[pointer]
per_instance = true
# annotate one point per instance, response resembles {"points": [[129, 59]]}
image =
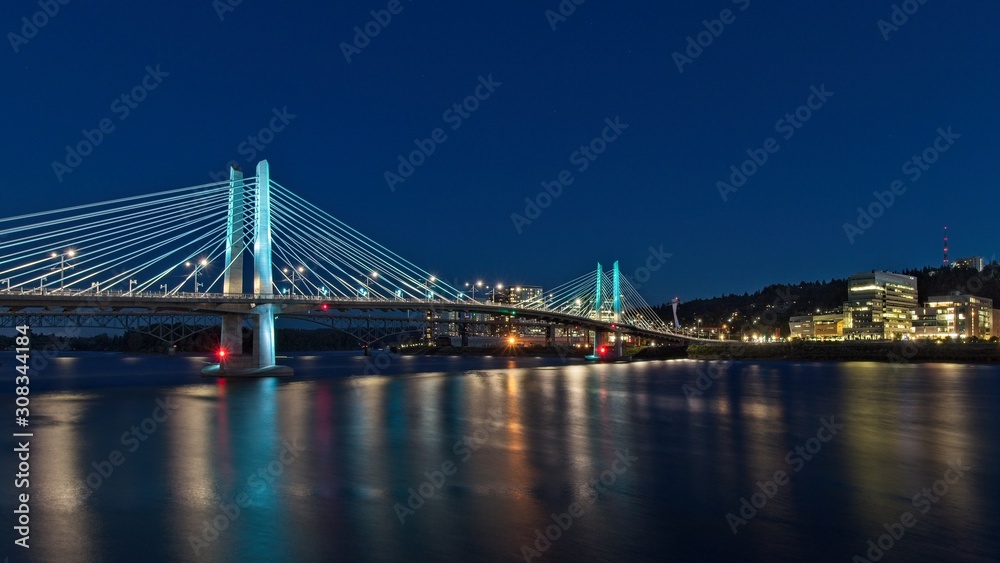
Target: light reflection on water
{"points": [[534, 438]]}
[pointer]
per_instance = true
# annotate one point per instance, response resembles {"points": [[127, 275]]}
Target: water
{"points": [[321, 462]]}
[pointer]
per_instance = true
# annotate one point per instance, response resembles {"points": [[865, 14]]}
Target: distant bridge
{"points": [[111, 265]]}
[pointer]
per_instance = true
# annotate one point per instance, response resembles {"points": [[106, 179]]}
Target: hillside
{"points": [[770, 307]]}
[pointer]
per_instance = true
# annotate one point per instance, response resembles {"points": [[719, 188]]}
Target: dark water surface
{"points": [[326, 465]]}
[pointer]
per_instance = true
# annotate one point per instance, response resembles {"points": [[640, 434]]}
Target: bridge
{"points": [[246, 251]]}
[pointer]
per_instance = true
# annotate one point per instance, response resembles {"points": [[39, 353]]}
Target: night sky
{"points": [[544, 92]]}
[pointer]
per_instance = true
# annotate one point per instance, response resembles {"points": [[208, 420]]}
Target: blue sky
{"points": [[217, 80]]}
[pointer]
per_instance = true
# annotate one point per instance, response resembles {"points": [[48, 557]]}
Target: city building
{"points": [[829, 326], [879, 305], [801, 327], [520, 294], [954, 316], [970, 262]]}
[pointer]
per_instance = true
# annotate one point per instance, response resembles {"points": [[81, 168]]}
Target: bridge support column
{"points": [[232, 324], [262, 279], [550, 336]]}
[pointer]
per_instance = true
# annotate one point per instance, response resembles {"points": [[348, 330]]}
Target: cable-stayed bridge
{"points": [[248, 250]]}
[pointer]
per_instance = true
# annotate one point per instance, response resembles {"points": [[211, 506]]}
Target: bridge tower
{"points": [[232, 323], [262, 276], [616, 293], [598, 294]]}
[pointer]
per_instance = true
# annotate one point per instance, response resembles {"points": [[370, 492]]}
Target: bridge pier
{"points": [[262, 362]]}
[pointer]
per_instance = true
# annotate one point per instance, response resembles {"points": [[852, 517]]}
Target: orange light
{"points": [[510, 340]]}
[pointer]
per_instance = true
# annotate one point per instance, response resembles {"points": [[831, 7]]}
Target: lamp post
{"points": [[41, 287], [198, 267], [493, 294], [427, 287], [473, 286], [6, 282], [131, 284], [163, 286], [371, 278], [293, 272], [62, 265]]}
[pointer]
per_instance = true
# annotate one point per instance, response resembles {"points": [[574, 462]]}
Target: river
{"points": [[137, 458]]}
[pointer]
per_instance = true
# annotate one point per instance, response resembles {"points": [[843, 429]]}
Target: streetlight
{"points": [[131, 284], [371, 278], [473, 286], [427, 287], [163, 286], [493, 296], [41, 288], [62, 265], [197, 269], [96, 286], [7, 283], [300, 270]]}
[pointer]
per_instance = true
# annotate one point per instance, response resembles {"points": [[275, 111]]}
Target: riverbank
{"points": [[894, 352], [658, 353]]}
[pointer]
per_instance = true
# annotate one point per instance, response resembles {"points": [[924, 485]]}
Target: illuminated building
{"points": [[954, 316], [970, 262], [879, 305]]}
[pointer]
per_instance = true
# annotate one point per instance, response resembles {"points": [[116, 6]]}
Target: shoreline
{"points": [[889, 352]]}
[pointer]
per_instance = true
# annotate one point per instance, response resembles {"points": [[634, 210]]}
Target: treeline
{"points": [[770, 308]]}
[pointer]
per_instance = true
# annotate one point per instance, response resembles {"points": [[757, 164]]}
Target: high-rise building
{"points": [[521, 294], [954, 316], [879, 305]]}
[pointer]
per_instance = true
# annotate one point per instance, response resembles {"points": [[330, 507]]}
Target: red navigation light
{"points": [[222, 353], [603, 351], [324, 307]]}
